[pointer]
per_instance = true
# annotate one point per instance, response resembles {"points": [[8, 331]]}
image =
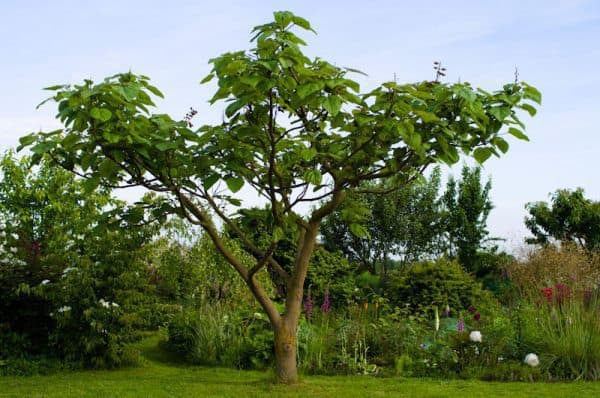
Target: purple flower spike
{"points": [[461, 325], [326, 302], [308, 307]]}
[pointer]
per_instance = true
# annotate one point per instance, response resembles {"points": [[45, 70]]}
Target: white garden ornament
{"points": [[475, 336], [532, 360]]}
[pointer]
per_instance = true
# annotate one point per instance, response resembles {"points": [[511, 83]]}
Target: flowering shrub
{"points": [[63, 267], [558, 295]]}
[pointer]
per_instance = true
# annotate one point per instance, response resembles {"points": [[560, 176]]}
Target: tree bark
{"points": [[286, 368]]}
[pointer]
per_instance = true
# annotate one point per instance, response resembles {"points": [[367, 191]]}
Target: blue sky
{"points": [[554, 44]]}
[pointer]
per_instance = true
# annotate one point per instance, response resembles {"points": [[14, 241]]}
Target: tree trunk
{"points": [[286, 369]]}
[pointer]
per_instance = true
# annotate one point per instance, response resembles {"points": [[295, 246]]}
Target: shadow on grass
{"points": [[155, 354]]}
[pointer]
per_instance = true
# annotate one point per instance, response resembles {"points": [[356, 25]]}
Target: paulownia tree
{"points": [[296, 130]]}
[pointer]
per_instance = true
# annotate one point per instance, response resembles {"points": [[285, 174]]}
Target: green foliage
{"points": [[565, 335], [417, 223], [189, 271], [337, 133], [441, 283], [328, 271], [64, 260], [296, 130], [337, 343], [404, 224], [211, 335], [569, 217], [467, 206]]}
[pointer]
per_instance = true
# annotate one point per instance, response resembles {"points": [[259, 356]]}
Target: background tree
{"points": [[296, 130], [569, 217], [467, 206], [403, 226]]}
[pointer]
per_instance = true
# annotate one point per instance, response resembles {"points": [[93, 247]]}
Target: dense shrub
{"points": [[331, 273], [64, 260], [211, 335], [435, 284], [187, 269]]}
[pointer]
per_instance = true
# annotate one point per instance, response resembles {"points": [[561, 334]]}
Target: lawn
{"points": [[161, 377]]}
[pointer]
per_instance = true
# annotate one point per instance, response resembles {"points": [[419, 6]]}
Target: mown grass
{"points": [[162, 376]]}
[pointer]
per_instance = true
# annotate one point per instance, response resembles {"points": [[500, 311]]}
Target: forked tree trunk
{"points": [[284, 326]]}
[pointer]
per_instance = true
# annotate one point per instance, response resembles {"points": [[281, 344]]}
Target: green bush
{"points": [[64, 260], [211, 336], [437, 283], [566, 337]]}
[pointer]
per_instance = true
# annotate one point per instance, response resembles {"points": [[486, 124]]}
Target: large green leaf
{"points": [[234, 183], [313, 177], [332, 104], [43, 147], [359, 230], [515, 132], [482, 154], [101, 114]]}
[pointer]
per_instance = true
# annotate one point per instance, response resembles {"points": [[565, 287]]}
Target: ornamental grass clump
{"points": [[560, 309], [567, 337]]}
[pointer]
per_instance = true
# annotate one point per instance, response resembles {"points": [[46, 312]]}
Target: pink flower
{"points": [[326, 302], [308, 307]]}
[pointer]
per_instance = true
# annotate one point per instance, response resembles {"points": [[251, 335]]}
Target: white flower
{"points": [[103, 303], [475, 336], [258, 315], [114, 304], [80, 237], [14, 250], [532, 360], [64, 308], [45, 282], [14, 236]]}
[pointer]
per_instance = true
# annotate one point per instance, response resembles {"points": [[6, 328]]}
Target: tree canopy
{"points": [[296, 129], [569, 217]]}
